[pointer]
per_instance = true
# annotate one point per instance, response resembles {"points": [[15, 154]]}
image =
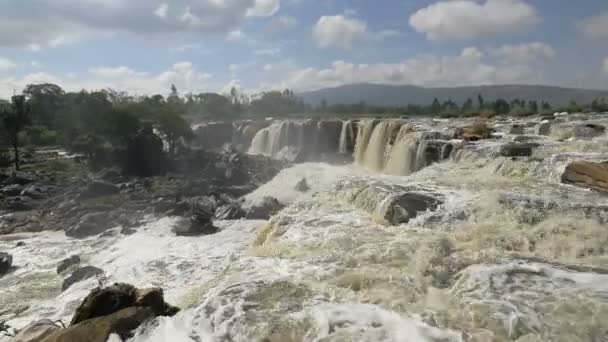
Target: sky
{"points": [[144, 46]]}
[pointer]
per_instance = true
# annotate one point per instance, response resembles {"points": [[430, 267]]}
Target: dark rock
{"points": [[127, 231], [89, 225], [543, 128], [407, 206], [548, 117], [154, 298], [105, 301], [230, 211], [588, 131], [180, 208], [517, 150], [144, 155], [20, 244], [79, 275], [587, 174], [99, 189], [110, 175], [21, 178], [194, 227], [6, 261], [12, 190], [517, 129], [37, 331], [263, 211], [20, 203], [68, 263], [302, 186]]}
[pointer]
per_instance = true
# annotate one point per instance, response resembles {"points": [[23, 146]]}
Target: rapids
{"points": [[511, 254]]}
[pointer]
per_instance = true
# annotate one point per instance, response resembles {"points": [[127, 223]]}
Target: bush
{"points": [[41, 136]]}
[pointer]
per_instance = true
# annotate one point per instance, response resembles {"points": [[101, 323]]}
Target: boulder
{"points": [[302, 186], [587, 174], [105, 301], [79, 275], [89, 225], [6, 261], [264, 210], [517, 129], [194, 227], [544, 128], [230, 211], [34, 192], [98, 189], [68, 263], [588, 131], [12, 190], [402, 208], [37, 331], [516, 150]]}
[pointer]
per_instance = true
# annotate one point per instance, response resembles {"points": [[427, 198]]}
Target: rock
{"points": [[154, 298], [587, 174], [194, 227], [79, 275], [21, 178], [230, 211], [517, 129], [401, 209], [99, 189], [68, 263], [588, 131], [517, 150], [479, 130], [110, 175], [105, 301], [20, 203], [12, 190], [20, 244], [37, 331], [263, 211], [6, 261], [89, 225], [302, 186], [99, 329], [544, 128]]}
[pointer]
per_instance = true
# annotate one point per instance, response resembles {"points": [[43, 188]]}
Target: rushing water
{"points": [[510, 255]]}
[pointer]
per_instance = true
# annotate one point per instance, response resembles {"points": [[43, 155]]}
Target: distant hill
{"points": [[402, 95]]}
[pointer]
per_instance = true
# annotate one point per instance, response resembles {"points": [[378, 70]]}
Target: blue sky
{"points": [[142, 46]]}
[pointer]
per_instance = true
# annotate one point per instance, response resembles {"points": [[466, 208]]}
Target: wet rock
{"points": [[544, 128], [21, 178], [79, 275], [154, 298], [477, 131], [517, 129], [105, 301], [12, 190], [517, 150], [264, 210], [111, 175], [37, 331], [194, 227], [588, 131], [34, 192], [230, 211], [6, 261], [587, 174], [401, 209], [99, 189], [89, 225], [20, 244], [68, 263], [20, 203], [302, 186]]}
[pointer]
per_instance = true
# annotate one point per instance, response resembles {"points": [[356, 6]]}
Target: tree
{"points": [[480, 101], [467, 105], [174, 128], [15, 119], [45, 100], [501, 107], [435, 107], [533, 106]]}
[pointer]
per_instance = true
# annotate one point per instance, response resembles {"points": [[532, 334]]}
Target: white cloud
{"points": [[235, 35], [468, 19], [526, 52], [339, 31], [264, 8], [6, 64], [184, 75], [605, 68], [39, 24], [595, 27], [267, 67], [162, 11], [467, 68]]}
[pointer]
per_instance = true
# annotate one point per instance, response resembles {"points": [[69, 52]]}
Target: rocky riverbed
{"points": [[439, 230]]}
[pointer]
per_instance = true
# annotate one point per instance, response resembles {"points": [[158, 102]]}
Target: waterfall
{"points": [[347, 137], [364, 131], [373, 157]]}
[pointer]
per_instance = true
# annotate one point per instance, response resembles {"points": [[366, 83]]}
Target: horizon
{"points": [[142, 47]]}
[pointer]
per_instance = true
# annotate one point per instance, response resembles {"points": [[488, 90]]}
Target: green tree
{"points": [[15, 119], [45, 100], [174, 129], [501, 107], [480, 101]]}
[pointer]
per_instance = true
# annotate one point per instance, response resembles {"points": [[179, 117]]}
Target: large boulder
{"points": [[105, 301], [201, 220], [37, 331], [264, 210], [302, 186], [6, 261], [587, 174], [89, 225], [68, 263], [516, 150], [98, 189], [402, 208], [79, 275]]}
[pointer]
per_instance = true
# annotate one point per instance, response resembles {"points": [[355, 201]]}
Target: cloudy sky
{"points": [[143, 46]]}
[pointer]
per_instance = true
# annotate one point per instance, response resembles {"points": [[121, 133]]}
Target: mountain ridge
{"points": [[401, 95]]}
